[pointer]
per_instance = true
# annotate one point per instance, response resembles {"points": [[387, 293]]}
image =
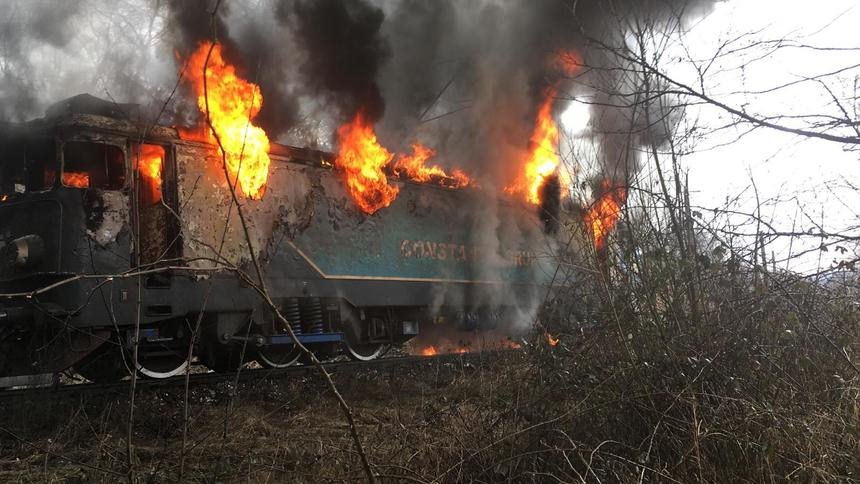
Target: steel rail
{"points": [[247, 375]]}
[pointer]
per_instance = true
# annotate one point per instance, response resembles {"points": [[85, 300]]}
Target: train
{"points": [[105, 271]]}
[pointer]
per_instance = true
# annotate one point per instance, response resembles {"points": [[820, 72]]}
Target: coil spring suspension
{"points": [[293, 314], [312, 315]]}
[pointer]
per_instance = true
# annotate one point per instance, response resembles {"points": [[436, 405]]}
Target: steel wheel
{"points": [[365, 352], [278, 356], [357, 350], [162, 365]]}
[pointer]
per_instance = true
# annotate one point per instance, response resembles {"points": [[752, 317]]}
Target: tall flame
{"points": [[543, 160], [604, 213], [233, 103], [362, 160], [149, 166], [415, 168]]}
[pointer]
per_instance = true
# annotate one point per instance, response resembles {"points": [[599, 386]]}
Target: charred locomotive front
{"points": [[113, 233]]}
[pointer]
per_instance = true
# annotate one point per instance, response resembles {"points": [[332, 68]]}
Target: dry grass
{"points": [[582, 411]]}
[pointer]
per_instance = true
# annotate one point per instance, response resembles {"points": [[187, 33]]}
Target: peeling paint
{"points": [[107, 215], [206, 206]]}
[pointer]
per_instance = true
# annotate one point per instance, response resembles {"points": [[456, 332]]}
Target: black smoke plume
{"points": [[192, 24], [343, 52], [467, 76], [271, 63], [419, 66]]}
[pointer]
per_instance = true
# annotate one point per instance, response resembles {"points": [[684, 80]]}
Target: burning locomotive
{"points": [[117, 235]]}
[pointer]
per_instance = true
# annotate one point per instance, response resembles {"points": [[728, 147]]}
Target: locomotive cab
{"points": [[65, 222]]}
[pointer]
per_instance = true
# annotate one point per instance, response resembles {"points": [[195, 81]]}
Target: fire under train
{"points": [[101, 252]]}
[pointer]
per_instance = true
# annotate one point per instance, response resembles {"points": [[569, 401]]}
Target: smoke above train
{"points": [[457, 92]]}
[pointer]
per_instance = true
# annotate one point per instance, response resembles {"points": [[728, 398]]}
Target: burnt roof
{"points": [[89, 104]]}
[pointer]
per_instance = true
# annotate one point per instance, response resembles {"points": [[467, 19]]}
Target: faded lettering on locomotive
{"points": [[451, 252]]}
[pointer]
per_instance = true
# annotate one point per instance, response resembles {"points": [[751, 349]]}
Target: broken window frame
{"points": [[169, 246], [142, 184], [118, 144]]}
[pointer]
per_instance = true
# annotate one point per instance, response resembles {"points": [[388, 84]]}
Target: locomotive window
{"points": [[150, 162], [93, 165], [41, 156], [12, 169], [27, 166]]}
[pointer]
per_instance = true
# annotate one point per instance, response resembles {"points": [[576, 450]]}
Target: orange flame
{"points": [[446, 346], [76, 179], [603, 215], [549, 339], [415, 168], [149, 166], [429, 351], [362, 160], [365, 162], [433, 351], [543, 159], [233, 103]]}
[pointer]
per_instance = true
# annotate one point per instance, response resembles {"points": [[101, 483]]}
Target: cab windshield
{"points": [[93, 165]]}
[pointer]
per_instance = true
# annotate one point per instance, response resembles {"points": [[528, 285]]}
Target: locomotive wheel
{"points": [[364, 352], [279, 356], [104, 365], [161, 365], [355, 346]]}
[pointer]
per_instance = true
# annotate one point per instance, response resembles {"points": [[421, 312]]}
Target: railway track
{"points": [[245, 375]]}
